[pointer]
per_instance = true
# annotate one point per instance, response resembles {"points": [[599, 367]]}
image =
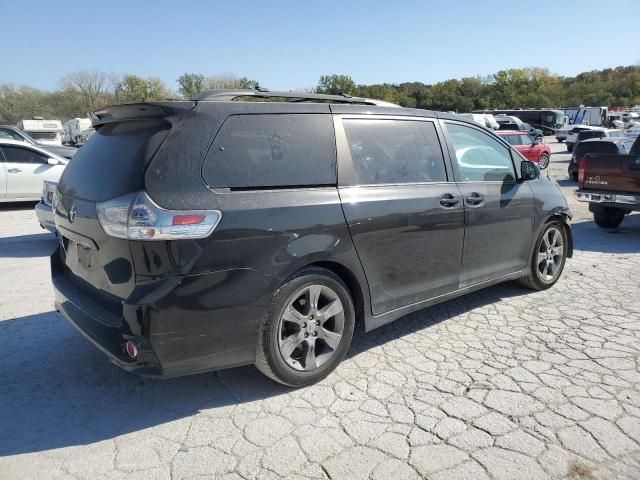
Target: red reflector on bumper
{"points": [[187, 219], [131, 349]]}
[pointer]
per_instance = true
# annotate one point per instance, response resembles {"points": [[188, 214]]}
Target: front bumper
{"points": [[44, 213], [623, 200]]}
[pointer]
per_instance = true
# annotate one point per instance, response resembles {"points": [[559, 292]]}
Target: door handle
{"points": [[448, 201], [475, 199], [14, 170]]}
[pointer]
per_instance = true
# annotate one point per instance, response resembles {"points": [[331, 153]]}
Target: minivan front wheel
{"points": [[307, 328], [548, 258]]}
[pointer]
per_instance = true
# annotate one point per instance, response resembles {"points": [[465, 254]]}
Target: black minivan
{"points": [[256, 227]]}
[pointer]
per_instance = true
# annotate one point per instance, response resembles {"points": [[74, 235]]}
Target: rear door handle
{"points": [[14, 170], [448, 201], [475, 199]]}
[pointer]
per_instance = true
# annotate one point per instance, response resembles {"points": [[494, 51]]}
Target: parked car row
{"points": [[584, 132]]}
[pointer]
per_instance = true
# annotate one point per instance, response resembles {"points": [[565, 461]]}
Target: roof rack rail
{"points": [[225, 95]]}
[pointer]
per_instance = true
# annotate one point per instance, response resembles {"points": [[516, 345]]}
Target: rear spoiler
{"points": [[136, 111]]}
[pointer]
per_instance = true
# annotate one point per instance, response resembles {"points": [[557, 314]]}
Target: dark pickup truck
{"points": [[611, 185]]}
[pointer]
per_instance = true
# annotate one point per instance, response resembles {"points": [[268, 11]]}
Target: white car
{"points": [[24, 168], [574, 130]]}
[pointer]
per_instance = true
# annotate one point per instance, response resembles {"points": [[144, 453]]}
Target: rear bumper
{"points": [[105, 330], [621, 200], [180, 325], [44, 213]]}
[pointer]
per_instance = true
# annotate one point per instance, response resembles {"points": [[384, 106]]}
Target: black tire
{"points": [[608, 217], [270, 360], [536, 280], [543, 161]]}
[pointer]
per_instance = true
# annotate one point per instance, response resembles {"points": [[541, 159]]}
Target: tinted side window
{"points": [[278, 150], [394, 151], [479, 156], [22, 155]]}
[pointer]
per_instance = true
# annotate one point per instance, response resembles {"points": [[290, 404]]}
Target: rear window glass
{"points": [[508, 126], [394, 151], [590, 134], [272, 150], [112, 162], [596, 147]]}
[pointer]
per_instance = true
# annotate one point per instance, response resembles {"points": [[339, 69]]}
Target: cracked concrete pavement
{"points": [[500, 384]]}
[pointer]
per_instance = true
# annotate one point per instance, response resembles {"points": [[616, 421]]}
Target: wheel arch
{"points": [[353, 285]]}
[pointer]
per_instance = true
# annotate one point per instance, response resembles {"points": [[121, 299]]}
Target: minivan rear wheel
{"points": [[549, 256], [307, 328]]}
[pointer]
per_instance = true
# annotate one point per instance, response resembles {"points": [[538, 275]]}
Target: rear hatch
{"points": [[111, 164], [618, 173]]}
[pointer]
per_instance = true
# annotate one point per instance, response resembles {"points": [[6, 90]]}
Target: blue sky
{"points": [[289, 44]]}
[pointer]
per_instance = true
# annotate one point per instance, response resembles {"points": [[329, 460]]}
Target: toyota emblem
{"points": [[72, 213]]}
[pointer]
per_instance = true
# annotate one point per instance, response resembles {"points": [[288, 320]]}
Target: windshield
{"points": [[559, 120], [44, 135]]}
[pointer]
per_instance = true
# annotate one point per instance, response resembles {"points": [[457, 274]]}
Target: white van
{"points": [[73, 128], [45, 132], [485, 119]]}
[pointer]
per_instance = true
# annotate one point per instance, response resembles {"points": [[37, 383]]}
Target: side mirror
{"points": [[529, 170], [53, 161]]}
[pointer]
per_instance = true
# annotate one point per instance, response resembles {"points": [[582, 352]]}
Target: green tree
{"points": [[191, 84], [131, 89], [336, 85], [134, 89]]}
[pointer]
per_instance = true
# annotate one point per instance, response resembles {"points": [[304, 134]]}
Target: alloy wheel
{"points": [[311, 327], [550, 255], [543, 162]]}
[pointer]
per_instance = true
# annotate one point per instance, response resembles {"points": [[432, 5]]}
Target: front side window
{"points": [[480, 158], [512, 139], [526, 139], [22, 155], [272, 150], [394, 151]]}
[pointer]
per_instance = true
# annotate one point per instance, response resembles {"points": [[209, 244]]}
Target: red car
{"points": [[527, 146]]}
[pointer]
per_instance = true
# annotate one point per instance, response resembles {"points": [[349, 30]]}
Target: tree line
{"points": [[83, 91]]}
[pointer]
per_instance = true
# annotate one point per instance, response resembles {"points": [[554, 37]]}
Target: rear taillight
{"points": [[582, 168], [137, 217]]}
